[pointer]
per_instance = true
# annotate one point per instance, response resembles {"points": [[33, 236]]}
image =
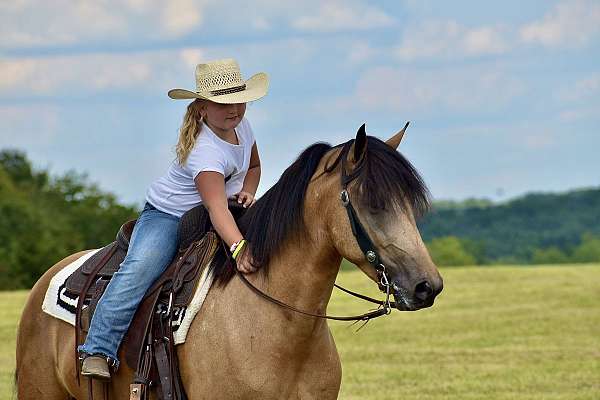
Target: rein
{"points": [[363, 317], [366, 245]]}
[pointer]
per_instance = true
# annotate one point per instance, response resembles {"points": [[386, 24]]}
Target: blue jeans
{"points": [[152, 247]]}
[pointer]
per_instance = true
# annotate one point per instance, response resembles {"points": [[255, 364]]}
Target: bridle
{"points": [[364, 242]]}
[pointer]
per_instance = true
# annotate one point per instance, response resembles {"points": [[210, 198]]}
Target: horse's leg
{"points": [[321, 375]]}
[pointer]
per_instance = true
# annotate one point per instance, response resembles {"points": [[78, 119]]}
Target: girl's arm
{"points": [[211, 186], [253, 175]]}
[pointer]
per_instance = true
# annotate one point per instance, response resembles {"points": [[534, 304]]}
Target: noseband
{"points": [[364, 242]]}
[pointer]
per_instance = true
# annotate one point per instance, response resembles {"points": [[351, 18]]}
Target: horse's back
{"points": [[32, 315], [33, 306]]}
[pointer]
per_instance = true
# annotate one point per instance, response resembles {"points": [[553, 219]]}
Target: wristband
{"points": [[238, 248]]}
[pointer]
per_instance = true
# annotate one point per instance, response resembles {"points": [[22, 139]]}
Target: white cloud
{"points": [[571, 23], [192, 57], [342, 15], [361, 51], [260, 23], [31, 23], [467, 89], [14, 72], [154, 71], [486, 40], [97, 72], [582, 113], [138, 5], [180, 17], [450, 39], [582, 89], [540, 141]]}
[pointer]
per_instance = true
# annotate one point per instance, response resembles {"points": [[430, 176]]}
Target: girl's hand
{"points": [[244, 198], [245, 261]]}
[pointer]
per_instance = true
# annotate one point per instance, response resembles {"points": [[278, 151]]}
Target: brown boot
{"points": [[95, 367]]}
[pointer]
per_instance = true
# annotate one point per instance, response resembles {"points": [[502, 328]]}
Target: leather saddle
{"points": [[198, 248]]}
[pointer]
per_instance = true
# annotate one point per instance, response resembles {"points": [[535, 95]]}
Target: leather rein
{"points": [[366, 245]]}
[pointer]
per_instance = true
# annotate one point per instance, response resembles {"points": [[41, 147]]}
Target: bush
{"points": [[550, 255], [588, 250], [449, 251]]}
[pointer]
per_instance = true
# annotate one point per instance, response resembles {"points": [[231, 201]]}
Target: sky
{"points": [[503, 97]]}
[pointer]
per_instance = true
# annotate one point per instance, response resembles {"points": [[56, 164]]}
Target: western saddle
{"points": [[148, 344]]}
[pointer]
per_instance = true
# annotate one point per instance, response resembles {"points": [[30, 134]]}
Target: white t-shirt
{"points": [[175, 193]]}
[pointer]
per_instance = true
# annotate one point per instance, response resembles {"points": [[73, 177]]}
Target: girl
{"points": [[217, 158]]}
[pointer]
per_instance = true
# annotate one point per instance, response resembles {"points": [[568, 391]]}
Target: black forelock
{"points": [[387, 177]]}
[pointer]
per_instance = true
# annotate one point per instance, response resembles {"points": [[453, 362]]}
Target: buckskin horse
{"points": [[357, 200]]}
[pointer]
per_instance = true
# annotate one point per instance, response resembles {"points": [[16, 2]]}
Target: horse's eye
{"points": [[376, 212]]}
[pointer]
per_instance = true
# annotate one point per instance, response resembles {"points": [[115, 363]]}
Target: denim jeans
{"points": [[152, 247]]}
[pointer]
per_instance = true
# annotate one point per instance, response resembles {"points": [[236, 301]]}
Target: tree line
{"points": [[44, 218], [532, 229]]}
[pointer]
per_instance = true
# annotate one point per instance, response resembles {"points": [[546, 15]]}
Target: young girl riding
{"points": [[217, 159]]}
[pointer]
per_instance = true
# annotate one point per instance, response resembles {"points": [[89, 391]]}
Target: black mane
{"points": [[277, 216]]}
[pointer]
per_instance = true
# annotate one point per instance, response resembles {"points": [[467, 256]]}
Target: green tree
{"points": [[44, 219], [450, 250], [588, 250], [550, 255]]}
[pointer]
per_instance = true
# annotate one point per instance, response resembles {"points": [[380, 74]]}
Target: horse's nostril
{"points": [[423, 291]]}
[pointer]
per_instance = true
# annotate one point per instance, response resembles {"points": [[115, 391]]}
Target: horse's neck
{"points": [[302, 275]]}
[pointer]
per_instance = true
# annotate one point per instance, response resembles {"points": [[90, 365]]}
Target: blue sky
{"points": [[503, 97]]}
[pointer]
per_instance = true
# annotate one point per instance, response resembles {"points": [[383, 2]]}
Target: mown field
{"points": [[494, 333]]}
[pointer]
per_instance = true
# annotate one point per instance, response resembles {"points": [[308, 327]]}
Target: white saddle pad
{"points": [[62, 305]]}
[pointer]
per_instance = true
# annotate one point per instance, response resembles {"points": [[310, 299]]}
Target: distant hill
{"points": [[513, 231]]}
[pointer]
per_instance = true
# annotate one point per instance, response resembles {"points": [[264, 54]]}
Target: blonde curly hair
{"points": [[189, 131]]}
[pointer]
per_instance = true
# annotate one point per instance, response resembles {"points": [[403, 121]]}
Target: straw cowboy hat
{"points": [[221, 81]]}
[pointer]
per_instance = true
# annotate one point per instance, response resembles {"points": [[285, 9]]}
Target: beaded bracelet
{"points": [[234, 245]]}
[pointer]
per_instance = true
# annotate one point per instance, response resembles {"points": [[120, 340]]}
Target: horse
{"points": [[241, 346]]}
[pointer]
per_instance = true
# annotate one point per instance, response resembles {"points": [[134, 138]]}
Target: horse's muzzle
{"points": [[421, 296]]}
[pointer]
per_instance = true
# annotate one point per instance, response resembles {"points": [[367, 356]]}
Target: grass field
{"points": [[494, 333]]}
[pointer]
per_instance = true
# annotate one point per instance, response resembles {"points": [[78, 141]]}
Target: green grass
{"points": [[494, 333], [11, 304]]}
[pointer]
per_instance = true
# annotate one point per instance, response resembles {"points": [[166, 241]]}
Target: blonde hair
{"points": [[189, 131]]}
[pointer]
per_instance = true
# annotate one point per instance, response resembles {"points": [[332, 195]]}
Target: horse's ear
{"points": [[394, 141], [359, 147]]}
